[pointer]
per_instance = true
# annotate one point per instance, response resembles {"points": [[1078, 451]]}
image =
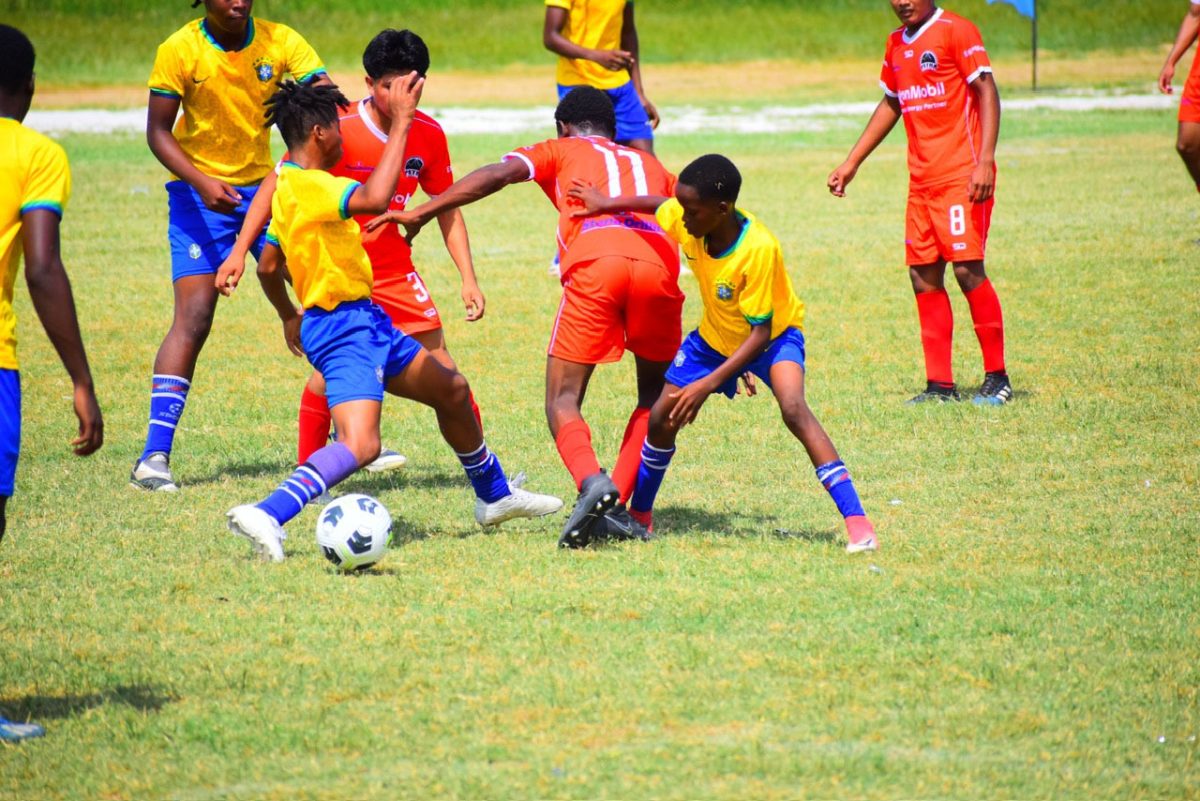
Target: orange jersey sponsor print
{"points": [[930, 73]]}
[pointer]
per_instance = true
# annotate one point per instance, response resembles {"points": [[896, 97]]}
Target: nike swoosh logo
{"points": [[199, 81]]}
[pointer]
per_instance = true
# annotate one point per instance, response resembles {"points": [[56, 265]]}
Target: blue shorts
{"points": [[632, 122], [356, 348], [201, 239], [10, 428], [696, 360]]}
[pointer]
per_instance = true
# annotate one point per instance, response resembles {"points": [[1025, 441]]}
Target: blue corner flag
{"points": [[1026, 8]]}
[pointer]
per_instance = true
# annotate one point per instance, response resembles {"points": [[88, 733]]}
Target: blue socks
{"points": [[650, 476], [324, 469], [836, 479], [486, 474], [168, 394]]}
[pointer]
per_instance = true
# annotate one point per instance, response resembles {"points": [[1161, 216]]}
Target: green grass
{"points": [[96, 42], [1028, 631]]}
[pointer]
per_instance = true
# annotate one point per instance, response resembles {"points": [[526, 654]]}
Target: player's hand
{"points": [[291, 332], [688, 401], [591, 198], [750, 385], [404, 94], [651, 113], [983, 182], [218, 196], [91, 422], [614, 59], [474, 301], [1164, 79], [230, 273], [840, 178]]}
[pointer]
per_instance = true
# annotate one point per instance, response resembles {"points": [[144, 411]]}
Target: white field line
{"points": [[675, 119]]}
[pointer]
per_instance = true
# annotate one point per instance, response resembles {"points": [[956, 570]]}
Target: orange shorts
{"points": [[942, 224], [612, 304], [1189, 104], [402, 294]]}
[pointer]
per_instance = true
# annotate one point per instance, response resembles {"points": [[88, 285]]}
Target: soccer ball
{"points": [[354, 532]]}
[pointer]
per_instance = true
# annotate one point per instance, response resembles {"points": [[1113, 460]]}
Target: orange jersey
{"points": [[555, 163], [930, 74], [426, 164]]}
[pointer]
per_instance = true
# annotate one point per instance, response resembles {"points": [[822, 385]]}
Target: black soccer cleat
{"points": [[597, 495], [935, 392], [995, 391], [619, 525]]}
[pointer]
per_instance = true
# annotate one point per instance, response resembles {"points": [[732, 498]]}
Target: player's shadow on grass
{"points": [[675, 521], [43, 707], [243, 470]]}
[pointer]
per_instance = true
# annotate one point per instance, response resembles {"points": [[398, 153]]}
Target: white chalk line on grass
{"points": [[675, 119]]}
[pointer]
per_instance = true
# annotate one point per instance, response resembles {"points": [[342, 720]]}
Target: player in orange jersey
{"points": [[620, 291], [936, 75], [1188, 140], [398, 287]]}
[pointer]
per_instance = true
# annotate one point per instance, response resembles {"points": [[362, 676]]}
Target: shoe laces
{"points": [[992, 384]]}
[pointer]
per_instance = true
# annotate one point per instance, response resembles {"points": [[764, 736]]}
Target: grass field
{"points": [[1029, 629]]}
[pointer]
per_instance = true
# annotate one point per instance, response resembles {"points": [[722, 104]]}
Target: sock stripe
{"points": [[307, 470], [163, 424]]}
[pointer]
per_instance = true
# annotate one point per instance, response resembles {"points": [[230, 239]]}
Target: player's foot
{"points": [[518, 503], [388, 459], [13, 732], [153, 473], [862, 535], [264, 533], [996, 390], [597, 495], [619, 525], [935, 392]]}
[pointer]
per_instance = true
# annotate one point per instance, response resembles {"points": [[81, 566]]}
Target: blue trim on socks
{"points": [[486, 474], [837, 482], [168, 395], [651, 472]]}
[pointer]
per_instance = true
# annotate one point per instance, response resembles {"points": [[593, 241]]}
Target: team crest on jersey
{"points": [[413, 167], [928, 61], [264, 69], [724, 291]]}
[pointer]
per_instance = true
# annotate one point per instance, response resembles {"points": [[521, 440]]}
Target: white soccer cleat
{"points": [[519, 503], [387, 459], [154, 474], [265, 535]]}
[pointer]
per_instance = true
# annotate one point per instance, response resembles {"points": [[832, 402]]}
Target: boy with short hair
{"points": [[752, 323], [348, 339]]}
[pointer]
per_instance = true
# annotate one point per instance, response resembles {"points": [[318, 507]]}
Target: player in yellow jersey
{"points": [[35, 183], [597, 45], [219, 70], [752, 323], [348, 339]]}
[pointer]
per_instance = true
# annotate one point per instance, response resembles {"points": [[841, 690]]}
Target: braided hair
{"points": [[296, 108]]}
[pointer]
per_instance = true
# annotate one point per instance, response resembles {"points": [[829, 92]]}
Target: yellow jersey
{"points": [[595, 24], [33, 175], [311, 224], [222, 93], [744, 286]]}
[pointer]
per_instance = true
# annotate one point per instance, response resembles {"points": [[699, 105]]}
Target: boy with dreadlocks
{"points": [[752, 323], [346, 337]]}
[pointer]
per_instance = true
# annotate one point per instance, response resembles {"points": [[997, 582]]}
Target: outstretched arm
{"points": [[596, 202], [555, 42], [1187, 34], [883, 119], [50, 290], [629, 43]]}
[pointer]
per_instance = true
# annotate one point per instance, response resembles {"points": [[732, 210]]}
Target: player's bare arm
{"points": [[983, 177], [229, 274], [161, 111], [689, 399], [1188, 30], [555, 42], [596, 202], [882, 121], [629, 43], [272, 274], [376, 192], [458, 245], [54, 303]]}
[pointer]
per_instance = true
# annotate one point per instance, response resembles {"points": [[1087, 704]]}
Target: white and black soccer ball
{"points": [[354, 532]]}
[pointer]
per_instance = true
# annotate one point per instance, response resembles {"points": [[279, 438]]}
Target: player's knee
{"points": [[1188, 146], [458, 390], [365, 445], [796, 414]]}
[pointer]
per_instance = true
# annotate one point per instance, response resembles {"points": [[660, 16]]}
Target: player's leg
{"points": [[434, 341], [927, 271], [988, 318], [786, 379], [633, 126], [658, 448], [1187, 144], [314, 420]]}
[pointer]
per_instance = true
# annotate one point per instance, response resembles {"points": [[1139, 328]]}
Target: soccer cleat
{"points": [[13, 732], [153, 473], [995, 391], [935, 393], [518, 503], [263, 532], [597, 495], [619, 525], [861, 535], [387, 459]]}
